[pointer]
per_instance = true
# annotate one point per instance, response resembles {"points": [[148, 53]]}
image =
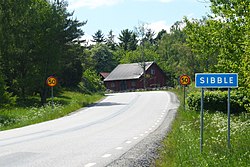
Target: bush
{"points": [[217, 101], [91, 82], [6, 98], [245, 101]]}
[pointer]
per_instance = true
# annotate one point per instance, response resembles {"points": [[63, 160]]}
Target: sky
{"points": [[117, 15]]}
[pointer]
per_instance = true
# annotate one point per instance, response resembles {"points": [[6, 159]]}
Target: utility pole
{"points": [[141, 29], [143, 66]]}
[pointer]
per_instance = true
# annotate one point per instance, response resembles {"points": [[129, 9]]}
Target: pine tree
{"points": [[98, 37]]}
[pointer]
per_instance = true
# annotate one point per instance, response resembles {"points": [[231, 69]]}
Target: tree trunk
{"points": [[23, 92], [43, 95]]}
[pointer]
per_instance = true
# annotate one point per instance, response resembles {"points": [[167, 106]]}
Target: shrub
{"points": [[217, 101], [91, 82], [6, 98]]}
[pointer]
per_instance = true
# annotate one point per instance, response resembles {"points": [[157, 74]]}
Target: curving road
{"points": [[94, 136]]}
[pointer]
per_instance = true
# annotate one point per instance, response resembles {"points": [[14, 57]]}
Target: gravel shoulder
{"points": [[146, 151]]}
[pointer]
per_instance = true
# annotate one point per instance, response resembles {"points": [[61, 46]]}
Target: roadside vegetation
{"points": [[32, 112], [41, 38], [182, 145], [48, 40]]}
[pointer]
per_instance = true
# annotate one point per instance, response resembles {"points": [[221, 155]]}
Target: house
{"points": [[104, 75], [130, 77]]}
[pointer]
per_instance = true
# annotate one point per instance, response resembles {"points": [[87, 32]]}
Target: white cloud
{"points": [[166, 1], [73, 4], [158, 26], [88, 39], [190, 15]]}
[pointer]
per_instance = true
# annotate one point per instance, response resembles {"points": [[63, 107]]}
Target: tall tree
{"points": [[72, 69], [110, 41], [234, 41], [128, 40], [225, 34], [103, 58], [175, 57], [203, 45], [36, 35], [16, 45], [98, 37], [62, 30], [141, 33], [132, 45], [160, 35], [149, 36]]}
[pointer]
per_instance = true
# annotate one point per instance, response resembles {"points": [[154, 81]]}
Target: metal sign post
{"points": [[215, 80], [201, 120], [184, 87], [184, 80], [52, 98], [228, 121]]}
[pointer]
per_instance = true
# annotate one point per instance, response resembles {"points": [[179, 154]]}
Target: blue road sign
{"points": [[216, 80]]}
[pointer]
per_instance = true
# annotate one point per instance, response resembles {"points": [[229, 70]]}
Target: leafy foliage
{"points": [[6, 98], [182, 147], [103, 57], [35, 35], [217, 101], [110, 41], [41, 38], [128, 40], [91, 82], [72, 69], [223, 40], [98, 37]]}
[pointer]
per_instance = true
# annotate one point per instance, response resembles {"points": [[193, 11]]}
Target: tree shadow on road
{"points": [[108, 104]]}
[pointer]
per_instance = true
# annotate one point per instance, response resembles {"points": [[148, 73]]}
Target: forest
{"points": [[40, 38]]}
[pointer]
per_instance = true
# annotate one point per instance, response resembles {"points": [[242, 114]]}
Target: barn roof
{"points": [[127, 71], [104, 74]]}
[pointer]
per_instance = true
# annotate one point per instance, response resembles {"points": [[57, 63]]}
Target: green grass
{"points": [[182, 145], [64, 104]]}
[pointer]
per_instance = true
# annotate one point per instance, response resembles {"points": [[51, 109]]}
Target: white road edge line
{"points": [[119, 148], [128, 142], [89, 164], [106, 155]]}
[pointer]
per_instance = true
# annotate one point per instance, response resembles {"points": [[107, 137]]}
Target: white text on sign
{"points": [[218, 80]]}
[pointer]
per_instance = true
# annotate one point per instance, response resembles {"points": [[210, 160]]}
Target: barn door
{"points": [[123, 85]]}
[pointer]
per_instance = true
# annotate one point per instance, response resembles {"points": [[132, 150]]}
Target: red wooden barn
{"points": [[130, 76]]}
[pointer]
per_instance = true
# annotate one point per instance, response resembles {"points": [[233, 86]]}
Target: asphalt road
{"points": [[94, 136]]}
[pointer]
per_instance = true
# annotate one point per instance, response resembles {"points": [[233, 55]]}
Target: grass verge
{"points": [[182, 145], [64, 104]]}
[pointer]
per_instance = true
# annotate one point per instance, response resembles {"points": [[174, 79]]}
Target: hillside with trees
{"points": [[41, 38]]}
